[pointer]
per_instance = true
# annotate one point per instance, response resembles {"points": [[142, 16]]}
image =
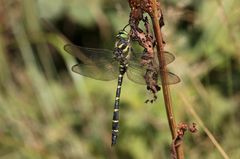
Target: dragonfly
{"points": [[107, 65]]}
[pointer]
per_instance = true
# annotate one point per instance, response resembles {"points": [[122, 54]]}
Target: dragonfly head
{"points": [[122, 35]]}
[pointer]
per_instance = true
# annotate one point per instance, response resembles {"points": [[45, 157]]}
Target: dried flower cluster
{"points": [[146, 40], [181, 129]]}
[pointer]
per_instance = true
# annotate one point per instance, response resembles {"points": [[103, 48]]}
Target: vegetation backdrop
{"points": [[46, 111]]}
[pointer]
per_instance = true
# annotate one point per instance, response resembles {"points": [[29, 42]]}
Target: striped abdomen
{"points": [[115, 122]]}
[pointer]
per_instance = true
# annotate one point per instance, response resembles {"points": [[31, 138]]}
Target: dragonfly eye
{"points": [[122, 34]]}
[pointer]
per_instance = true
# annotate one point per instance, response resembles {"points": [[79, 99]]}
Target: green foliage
{"points": [[46, 111]]}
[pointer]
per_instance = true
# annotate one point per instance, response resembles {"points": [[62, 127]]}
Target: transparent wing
{"points": [[168, 57], [89, 55], [99, 71], [136, 57], [94, 63], [136, 74]]}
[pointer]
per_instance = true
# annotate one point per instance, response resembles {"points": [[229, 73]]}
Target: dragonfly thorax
{"points": [[122, 45]]}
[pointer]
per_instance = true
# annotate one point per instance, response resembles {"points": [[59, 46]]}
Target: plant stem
{"points": [[165, 88]]}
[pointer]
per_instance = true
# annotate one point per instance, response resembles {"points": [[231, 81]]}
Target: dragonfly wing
{"points": [[168, 57], [89, 55], [171, 78], [100, 71], [136, 74]]}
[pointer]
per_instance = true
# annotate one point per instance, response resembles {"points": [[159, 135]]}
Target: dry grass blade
{"points": [[206, 130]]}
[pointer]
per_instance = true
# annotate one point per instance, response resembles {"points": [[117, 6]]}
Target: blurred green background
{"points": [[46, 111]]}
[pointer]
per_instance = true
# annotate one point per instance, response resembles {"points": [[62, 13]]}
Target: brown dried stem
{"points": [[138, 7], [165, 88]]}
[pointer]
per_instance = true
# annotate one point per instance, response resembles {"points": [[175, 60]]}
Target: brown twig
{"points": [[166, 91], [138, 7]]}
